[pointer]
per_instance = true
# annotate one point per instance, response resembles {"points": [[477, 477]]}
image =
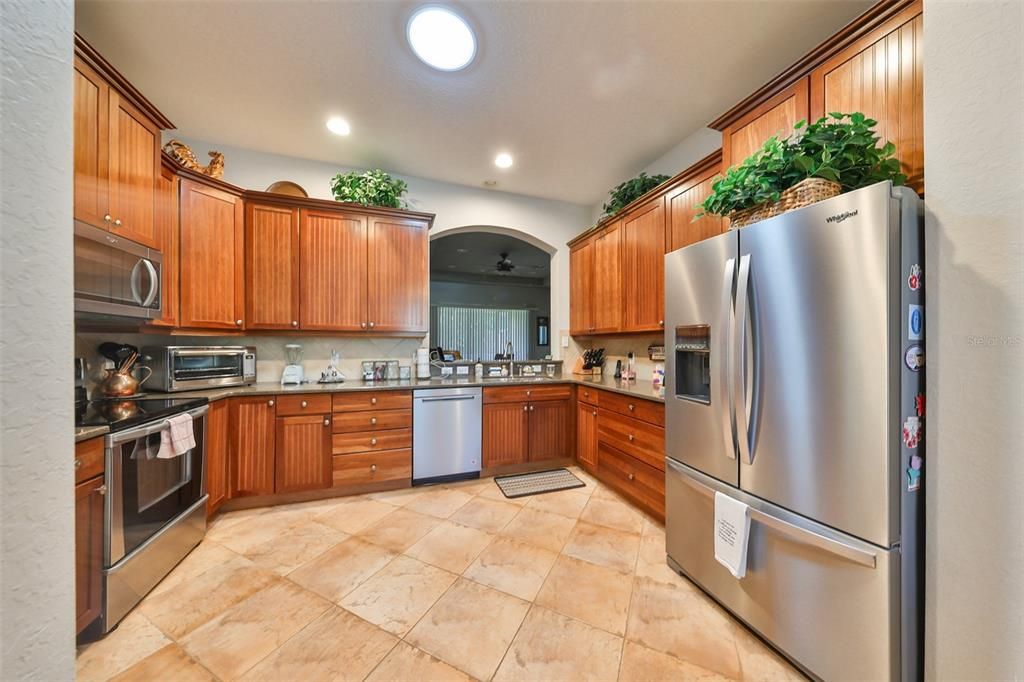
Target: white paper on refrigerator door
{"points": [[732, 526]]}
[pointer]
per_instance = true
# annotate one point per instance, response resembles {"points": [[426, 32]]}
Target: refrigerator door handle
{"points": [[724, 353], [739, 353], [795, 533]]}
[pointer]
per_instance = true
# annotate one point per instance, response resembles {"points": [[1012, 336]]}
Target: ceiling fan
{"points": [[504, 266]]}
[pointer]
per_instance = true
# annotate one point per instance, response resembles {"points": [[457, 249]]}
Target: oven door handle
{"points": [[207, 351], [149, 429]]}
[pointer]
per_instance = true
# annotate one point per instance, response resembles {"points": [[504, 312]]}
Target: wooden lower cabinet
{"points": [[550, 428], [303, 453], [641, 483], [519, 428], [586, 436], [89, 507], [372, 467], [506, 433], [252, 444], [217, 471]]}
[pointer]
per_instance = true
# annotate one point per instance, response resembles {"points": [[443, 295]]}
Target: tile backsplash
{"points": [[270, 358]]}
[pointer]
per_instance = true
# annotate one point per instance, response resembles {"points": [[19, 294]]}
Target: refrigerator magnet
{"points": [[914, 358], [915, 462], [915, 322], [919, 404], [912, 432], [914, 280], [913, 479]]}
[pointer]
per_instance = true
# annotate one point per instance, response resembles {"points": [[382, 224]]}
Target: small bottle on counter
{"points": [[478, 369]]}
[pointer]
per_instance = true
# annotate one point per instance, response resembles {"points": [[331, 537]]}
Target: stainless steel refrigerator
{"points": [[795, 384]]}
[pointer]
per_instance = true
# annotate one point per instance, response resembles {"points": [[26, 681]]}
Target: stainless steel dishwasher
{"points": [[446, 434]]}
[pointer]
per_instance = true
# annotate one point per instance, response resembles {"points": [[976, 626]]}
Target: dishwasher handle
{"points": [[449, 397]]}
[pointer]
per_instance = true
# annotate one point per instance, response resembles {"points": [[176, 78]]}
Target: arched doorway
{"points": [[489, 287]]}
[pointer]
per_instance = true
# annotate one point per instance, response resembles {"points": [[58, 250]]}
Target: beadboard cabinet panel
{"points": [[303, 455], [643, 267], [398, 277], [776, 117], [683, 207], [271, 267], [506, 437], [167, 231], [333, 283], [134, 166], [91, 145], [608, 279], [252, 446], [581, 288]]}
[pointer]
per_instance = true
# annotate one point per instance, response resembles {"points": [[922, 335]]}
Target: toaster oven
{"points": [[187, 368]]}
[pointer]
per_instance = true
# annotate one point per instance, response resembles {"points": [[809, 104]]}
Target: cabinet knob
{"points": [[102, 490], [78, 463], [594, 413], [531, 408], [363, 325], [295, 323], [528, 393], [373, 441], [632, 407], [238, 323], [373, 420], [270, 402], [371, 325], [631, 476], [107, 218], [525, 408], [631, 437], [373, 467], [117, 222], [327, 422], [373, 401], [304, 403]]}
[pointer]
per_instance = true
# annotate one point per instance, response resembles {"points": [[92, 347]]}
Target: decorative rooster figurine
{"points": [[183, 154]]}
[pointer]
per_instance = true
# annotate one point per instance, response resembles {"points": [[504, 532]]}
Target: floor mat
{"points": [[521, 485]]}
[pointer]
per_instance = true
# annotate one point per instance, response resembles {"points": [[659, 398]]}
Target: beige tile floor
{"points": [[443, 583]]}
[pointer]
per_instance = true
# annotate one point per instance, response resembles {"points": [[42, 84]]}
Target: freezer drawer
{"points": [[827, 600]]}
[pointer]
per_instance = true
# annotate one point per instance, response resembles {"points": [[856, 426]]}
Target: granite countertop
{"points": [[638, 389]]}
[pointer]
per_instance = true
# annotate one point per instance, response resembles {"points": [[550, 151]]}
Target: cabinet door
{"points": [[332, 270], [303, 453], [586, 436], [608, 280], [217, 455], [505, 434], [91, 131], [581, 288], [167, 242], [643, 267], [881, 76], [271, 267], [212, 234], [134, 168], [683, 205], [777, 117], [88, 551], [399, 282], [550, 426], [252, 422]]}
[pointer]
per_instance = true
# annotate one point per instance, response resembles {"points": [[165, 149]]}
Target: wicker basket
{"points": [[804, 193]]}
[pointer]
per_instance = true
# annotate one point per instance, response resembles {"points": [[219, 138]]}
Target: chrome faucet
{"points": [[509, 355]]}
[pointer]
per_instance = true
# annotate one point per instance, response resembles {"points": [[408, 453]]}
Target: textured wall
{"points": [[36, 445], [974, 153]]}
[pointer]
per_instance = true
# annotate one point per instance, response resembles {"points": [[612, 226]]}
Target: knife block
{"points": [[577, 368]]}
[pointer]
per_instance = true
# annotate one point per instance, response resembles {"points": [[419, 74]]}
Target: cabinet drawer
{"points": [[372, 400], [588, 395], [525, 394], [639, 439], [372, 420], [646, 410], [88, 459], [289, 405], [642, 483], [374, 467], [370, 441]]}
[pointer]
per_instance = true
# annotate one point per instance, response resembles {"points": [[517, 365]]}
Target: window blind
{"points": [[480, 332]]}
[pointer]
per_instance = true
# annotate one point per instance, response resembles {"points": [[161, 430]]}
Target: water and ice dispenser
{"points": [[693, 363]]}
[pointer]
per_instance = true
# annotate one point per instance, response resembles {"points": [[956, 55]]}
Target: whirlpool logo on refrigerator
{"points": [[840, 217]]}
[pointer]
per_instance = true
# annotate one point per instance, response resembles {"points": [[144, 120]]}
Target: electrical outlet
{"points": [[565, 342]]}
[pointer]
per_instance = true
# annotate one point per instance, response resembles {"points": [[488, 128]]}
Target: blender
{"points": [[293, 373]]}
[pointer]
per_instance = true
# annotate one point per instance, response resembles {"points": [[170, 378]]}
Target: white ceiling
{"points": [[583, 94]]}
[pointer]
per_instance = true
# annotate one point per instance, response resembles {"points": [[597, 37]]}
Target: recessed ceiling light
{"points": [[441, 38], [338, 125], [503, 160]]}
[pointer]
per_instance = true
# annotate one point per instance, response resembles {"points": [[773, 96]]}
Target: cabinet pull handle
{"points": [[373, 420], [238, 323], [295, 323], [107, 218], [661, 323], [631, 437], [78, 463], [373, 467], [527, 393], [632, 407], [373, 441], [327, 422], [531, 408], [270, 402], [373, 401], [594, 413], [371, 325], [118, 222], [102, 490], [632, 476], [363, 325], [525, 408], [304, 403]]}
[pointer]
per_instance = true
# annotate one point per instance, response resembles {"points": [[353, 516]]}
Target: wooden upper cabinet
{"points": [[777, 116], [91, 130], [881, 76], [303, 456], [333, 257], [643, 267], [212, 236], [581, 288], [271, 266], [398, 277], [167, 186], [550, 426], [506, 434], [607, 289], [134, 164], [252, 441], [683, 204]]}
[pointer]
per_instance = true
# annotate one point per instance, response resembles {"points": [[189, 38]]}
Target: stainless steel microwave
{"points": [[115, 276], [186, 368]]}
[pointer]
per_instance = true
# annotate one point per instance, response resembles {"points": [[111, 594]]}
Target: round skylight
{"points": [[441, 38]]}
